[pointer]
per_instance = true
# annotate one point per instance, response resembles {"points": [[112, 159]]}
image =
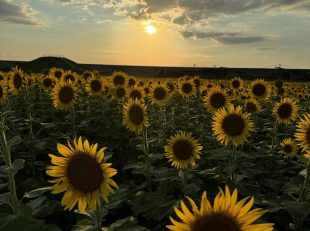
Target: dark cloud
{"points": [[225, 37], [19, 14]]}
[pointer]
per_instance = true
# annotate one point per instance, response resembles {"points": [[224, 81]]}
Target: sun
{"points": [[150, 29]]}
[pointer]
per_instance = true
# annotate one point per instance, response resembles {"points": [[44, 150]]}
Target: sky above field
{"points": [[205, 33]]}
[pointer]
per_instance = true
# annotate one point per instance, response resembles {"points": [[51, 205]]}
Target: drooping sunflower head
{"points": [[226, 214], [231, 125], [187, 88], [119, 78], [216, 98], [3, 93], [136, 93], [82, 174], [236, 83], [119, 92], [56, 73], [159, 93], [260, 89], [134, 115], [63, 95], [288, 147], [182, 150], [285, 111], [302, 134], [94, 86], [16, 81], [252, 106]]}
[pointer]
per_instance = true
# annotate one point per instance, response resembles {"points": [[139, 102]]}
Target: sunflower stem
{"points": [[73, 122], [147, 160], [304, 190], [30, 129], [273, 140], [7, 159], [234, 164]]}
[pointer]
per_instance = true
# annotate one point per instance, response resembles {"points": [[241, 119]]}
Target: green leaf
{"points": [[17, 165], [36, 192], [127, 224], [14, 141], [5, 198]]}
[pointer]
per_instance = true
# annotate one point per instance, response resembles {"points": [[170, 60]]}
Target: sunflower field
{"points": [[87, 152]]}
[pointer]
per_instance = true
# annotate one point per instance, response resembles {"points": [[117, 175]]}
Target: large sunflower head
{"points": [[159, 93], [232, 125], [285, 111], [119, 78], [182, 150], [82, 174], [3, 93], [252, 106], [260, 89], [216, 98], [63, 95], [134, 115], [302, 134], [288, 147], [187, 88], [236, 83], [56, 73], [16, 81], [136, 93], [94, 86], [226, 214]]}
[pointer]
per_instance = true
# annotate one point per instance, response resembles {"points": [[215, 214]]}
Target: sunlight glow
{"points": [[150, 29]]}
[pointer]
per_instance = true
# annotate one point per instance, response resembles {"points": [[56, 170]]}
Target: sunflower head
{"points": [[16, 81], [56, 73], [119, 78], [236, 83], [260, 89], [171, 87], [216, 98], [182, 150], [3, 93], [63, 95], [285, 111], [302, 133], [134, 115], [136, 93], [159, 93], [47, 82], [187, 88], [232, 125], [87, 75], [70, 76], [94, 86], [119, 92], [288, 147], [226, 214], [252, 106], [82, 174], [132, 81]]}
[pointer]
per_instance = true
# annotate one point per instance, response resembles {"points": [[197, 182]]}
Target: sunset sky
{"points": [[228, 33]]}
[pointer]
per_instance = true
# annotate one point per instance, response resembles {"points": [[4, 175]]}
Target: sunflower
{"points": [[288, 147], [70, 76], [285, 111], [56, 73], [227, 213], [94, 86], [119, 92], [119, 78], [232, 125], [82, 174], [63, 95], [2, 77], [260, 89], [136, 93], [182, 150], [171, 86], [236, 83], [134, 115], [187, 88], [216, 98], [159, 93], [302, 134], [252, 106], [87, 75], [16, 81], [3, 93], [132, 81], [47, 82]]}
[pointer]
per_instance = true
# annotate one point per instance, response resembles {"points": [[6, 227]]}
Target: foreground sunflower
{"points": [[302, 134], [63, 95], [232, 125], [226, 214], [134, 115], [82, 174], [285, 111], [182, 150], [216, 98], [288, 147], [260, 89]]}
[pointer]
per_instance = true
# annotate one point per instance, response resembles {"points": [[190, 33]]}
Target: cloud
{"points": [[225, 37], [19, 14], [266, 48]]}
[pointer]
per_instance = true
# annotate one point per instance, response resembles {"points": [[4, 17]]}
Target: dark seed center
{"points": [[259, 89], [86, 75], [120, 92], [66, 94], [233, 125], [308, 135], [57, 74], [131, 82], [170, 86], [69, 77], [215, 222], [160, 93], [183, 149], [287, 148], [285, 110], [135, 94], [17, 81], [187, 88], [84, 173], [217, 100], [236, 84], [251, 107], [135, 114], [47, 82], [1, 92], [119, 80], [95, 85]]}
